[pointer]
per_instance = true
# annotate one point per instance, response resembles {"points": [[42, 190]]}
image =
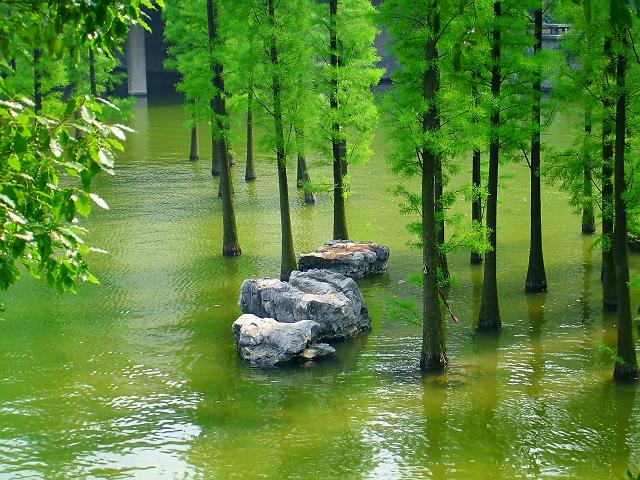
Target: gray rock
{"points": [[353, 259], [267, 342], [330, 299], [318, 351]]}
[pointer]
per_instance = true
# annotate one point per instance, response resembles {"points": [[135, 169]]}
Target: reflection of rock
{"points": [[318, 351], [328, 298], [353, 259], [267, 342]]}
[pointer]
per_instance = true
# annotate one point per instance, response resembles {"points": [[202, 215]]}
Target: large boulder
{"points": [[267, 342], [328, 298], [353, 259]]}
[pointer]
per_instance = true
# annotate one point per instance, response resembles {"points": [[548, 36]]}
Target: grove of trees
{"points": [[468, 90]]}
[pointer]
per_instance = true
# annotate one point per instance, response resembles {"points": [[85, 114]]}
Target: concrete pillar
{"points": [[136, 63]]}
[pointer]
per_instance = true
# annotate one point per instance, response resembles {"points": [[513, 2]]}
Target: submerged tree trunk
{"points": [[303, 178], [443, 266], [489, 318], [37, 85], [626, 368], [588, 218], [288, 258], [250, 172], [339, 211], [608, 274], [194, 148], [230, 245], [536, 276], [476, 182], [433, 356]]}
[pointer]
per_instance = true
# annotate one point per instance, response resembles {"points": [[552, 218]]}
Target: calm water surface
{"points": [[139, 378]]}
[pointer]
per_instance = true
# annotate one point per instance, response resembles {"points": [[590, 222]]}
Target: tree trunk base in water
{"points": [[249, 177], [231, 250], [476, 258], [588, 228], [194, 158], [489, 324], [535, 286], [433, 363], [309, 198], [625, 373]]}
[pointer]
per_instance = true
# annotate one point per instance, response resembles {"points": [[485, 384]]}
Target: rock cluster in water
{"points": [[287, 321], [353, 259]]}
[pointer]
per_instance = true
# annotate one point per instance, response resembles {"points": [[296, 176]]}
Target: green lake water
{"points": [[139, 378]]}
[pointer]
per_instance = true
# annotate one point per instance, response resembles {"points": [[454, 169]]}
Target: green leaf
{"points": [[19, 144], [83, 205], [14, 162], [99, 201]]}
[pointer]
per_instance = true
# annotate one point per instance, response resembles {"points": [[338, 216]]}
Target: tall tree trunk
{"points": [[343, 156], [303, 177], [608, 274], [230, 245], [288, 258], [588, 218], [92, 73], [627, 368], [476, 182], [215, 160], [194, 148], [440, 235], [250, 172], [339, 211], [536, 276], [37, 84], [489, 318], [433, 355]]}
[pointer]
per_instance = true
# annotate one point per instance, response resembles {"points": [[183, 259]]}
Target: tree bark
{"points": [[194, 148], [303, 177], [608, 274], [230, 246], [250, 172], [339, 211], [433, 355], [476, 182], [439, 188], [536, 276], [489, 318], [626, 368], [288, 257]]}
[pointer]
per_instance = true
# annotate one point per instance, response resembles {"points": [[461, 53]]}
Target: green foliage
{"points": [[356, 74], [46, 174], [630, 475], [611, 353], [404, 310]]}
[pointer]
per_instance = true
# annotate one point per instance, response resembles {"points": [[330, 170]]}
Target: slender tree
{"points": [[626, 368], [302, 176], [608, 274], [536, 276], [344, 36], [288, 257], [476, 178], [489, 318], [219, 122], [250, 171], [339, 211]]}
